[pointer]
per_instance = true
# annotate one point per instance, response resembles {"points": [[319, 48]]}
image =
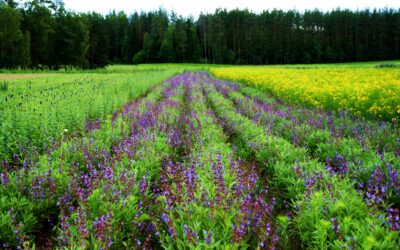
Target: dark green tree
{"points": [[167, 52], [42, 34], [71, 41], [39, 22], [14, 45], [98, 51]]}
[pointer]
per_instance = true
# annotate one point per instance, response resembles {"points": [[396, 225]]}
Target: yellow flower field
{"points": [[367, 91]]}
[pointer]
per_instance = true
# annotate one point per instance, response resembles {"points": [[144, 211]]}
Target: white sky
{"points": [[194, 7]]}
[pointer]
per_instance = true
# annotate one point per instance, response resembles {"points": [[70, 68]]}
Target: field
{"points": [[201, 157], [371, 92]]}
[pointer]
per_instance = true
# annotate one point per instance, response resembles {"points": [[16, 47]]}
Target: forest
{"points": [[44, 34]]}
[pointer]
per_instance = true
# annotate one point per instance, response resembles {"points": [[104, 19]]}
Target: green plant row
{"points": [[35, 113], [359, 157], [210, 197], [51, 193], [321, 201]]}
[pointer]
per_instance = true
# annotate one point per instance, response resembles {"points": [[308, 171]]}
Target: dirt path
{"points": [[14, 77]]}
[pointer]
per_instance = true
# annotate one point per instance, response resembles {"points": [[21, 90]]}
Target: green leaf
{"points": [[144, 217]]}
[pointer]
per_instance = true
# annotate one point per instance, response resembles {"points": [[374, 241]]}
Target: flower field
{"points": [[196, 162], [371, 92]]}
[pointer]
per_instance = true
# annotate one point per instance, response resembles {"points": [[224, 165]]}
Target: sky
{"points": [[194, 8]]}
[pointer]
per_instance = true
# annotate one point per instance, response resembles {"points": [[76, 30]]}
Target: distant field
{"points": [[359, 88], [343, 65], [171, 156]]}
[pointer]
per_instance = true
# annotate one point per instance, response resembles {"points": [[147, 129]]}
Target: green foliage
{"points": [[166, 53], [17, 219], [4, 86], [318, 216], [14, 44], [36, 114], [44, 35], [388, 65], [139, 57], [284, 224]]}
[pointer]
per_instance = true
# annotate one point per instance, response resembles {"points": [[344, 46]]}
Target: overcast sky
{"points": [[190, 7]]}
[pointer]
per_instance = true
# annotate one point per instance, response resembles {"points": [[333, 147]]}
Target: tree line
{"points": [[42, 34]]}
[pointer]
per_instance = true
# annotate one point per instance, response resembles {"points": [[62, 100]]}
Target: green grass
{"points": [[120, 68]]}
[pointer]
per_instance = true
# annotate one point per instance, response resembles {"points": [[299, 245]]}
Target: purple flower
{"points": [[209, 237]]}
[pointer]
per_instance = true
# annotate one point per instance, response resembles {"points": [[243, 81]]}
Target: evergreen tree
{"points": [[13, 43], [39, 22], [42, 34], [71, 41], [97, 55], [167, 53], [180, 40]]}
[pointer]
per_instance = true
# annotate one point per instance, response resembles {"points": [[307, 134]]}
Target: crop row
{"points": [[320, 187], [158, 173], [35, 113], [205, 163]]}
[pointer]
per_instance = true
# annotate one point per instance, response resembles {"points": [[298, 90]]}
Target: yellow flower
{"points": [[361, 90]]}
